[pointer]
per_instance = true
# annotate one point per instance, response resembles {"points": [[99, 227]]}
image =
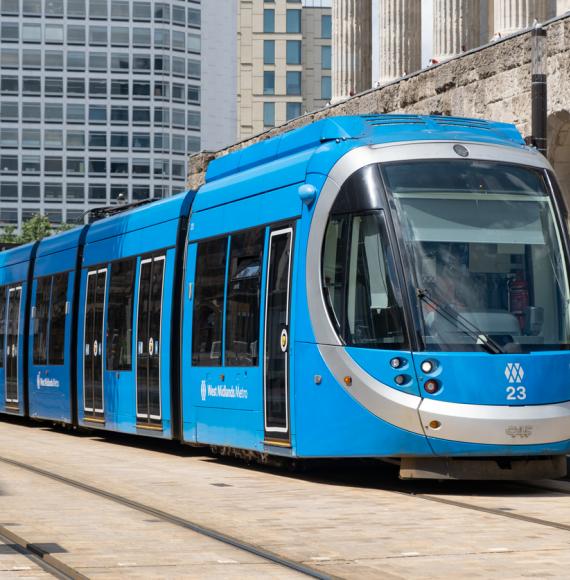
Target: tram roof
{"points": [[17, 255], [170, 208], [308, 149]]}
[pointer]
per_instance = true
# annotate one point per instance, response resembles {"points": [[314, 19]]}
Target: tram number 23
{"points": [[516, 393]]}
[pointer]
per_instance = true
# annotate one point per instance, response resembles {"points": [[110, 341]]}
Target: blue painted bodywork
{"points": [[55, 255], [259, 187], [150, 230], [14, 272]]}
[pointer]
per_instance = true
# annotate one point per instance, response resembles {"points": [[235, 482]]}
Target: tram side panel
{"points": [[225, 314], [325, 401], [50, 349], [124, 323], [14, 273]]}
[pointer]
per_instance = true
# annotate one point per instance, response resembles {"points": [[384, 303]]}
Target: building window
{"points": [[8, 191], [31, 164], [293, 21], [31, 59], [293, 110], [119, 140], [98, 114], [120, 114], [141, 11], [75, 166], [326, 88], [119, 167], [293, 80], [268, 82], [98, 89], [8, 164], [268, 52], [97, 166], [193, 43], [54, 59], [141, 115], [208, 303], [75, 8], [194, 18], [53, 112], [53, 165], [98, 61], [326, 26], [119, 61], [75, 140], [293, 52], [269, 114], [97, 193], [75, 194], [52, 192], [119, 36], [75, 34], [268, 20], [9, 85], [326, 57]]}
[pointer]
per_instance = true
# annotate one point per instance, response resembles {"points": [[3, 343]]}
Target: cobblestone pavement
{"points": [[341, 521]]}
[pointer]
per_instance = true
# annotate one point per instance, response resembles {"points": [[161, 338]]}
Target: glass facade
{"points": [[97, 98]]}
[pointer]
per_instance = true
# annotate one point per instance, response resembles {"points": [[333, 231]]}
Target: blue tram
{"points": [[378, 286]]}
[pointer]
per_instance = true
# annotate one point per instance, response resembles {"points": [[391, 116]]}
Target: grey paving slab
{"points": [[341, 529]]}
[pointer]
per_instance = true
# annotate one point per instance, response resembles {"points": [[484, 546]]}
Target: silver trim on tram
{"points": [[486, 424]]}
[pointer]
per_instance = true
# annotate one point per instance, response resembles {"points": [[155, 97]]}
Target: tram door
{"points": [[93, 400], [276, 369], [149, 412], [12, 344]]}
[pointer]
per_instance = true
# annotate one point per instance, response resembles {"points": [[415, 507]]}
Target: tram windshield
{"points": [[486, 252]]}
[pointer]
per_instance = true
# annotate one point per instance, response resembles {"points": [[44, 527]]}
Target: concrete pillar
{"points": [[400, 38], [456, 26], [352, 47], [562, 6], [513, 15]]}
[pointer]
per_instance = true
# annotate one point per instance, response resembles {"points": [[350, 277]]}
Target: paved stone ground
{"points": [[346, 522], [15, 565]]}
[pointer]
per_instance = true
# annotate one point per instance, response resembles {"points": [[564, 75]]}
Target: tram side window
{"points": [[2, 322], [359, 287], [57, 319], [49, 321], [120, 315], [209, 303], [243, 298], [41, 320]]}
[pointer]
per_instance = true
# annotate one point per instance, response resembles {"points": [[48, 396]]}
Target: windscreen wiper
{"points": [[465, 325]]}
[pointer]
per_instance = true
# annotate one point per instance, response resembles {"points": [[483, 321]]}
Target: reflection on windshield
{"points": [[483, 240]]}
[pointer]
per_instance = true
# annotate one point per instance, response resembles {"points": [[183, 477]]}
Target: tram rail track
{"points": [[39, 556], [67, 572]]}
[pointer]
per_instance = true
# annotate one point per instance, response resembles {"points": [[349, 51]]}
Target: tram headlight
{"points": [[396, 363], [432, 386], [427, 366]]}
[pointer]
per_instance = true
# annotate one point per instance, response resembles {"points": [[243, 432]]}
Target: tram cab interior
{"points": [[485, 251]]}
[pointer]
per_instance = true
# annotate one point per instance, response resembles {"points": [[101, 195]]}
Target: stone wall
{"points": [[493, 82]]}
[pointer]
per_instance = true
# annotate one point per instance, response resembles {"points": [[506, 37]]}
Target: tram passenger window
{"points": [[41, 320], [49, 321], [359, 287], [209, 303], [120, 315], [242, 311], [2, 322], [57, 319]]}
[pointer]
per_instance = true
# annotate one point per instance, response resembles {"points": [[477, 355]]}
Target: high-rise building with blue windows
{"points": [[99, 99]]}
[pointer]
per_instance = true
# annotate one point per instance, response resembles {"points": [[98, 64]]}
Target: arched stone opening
{"points": [[559, 149]]}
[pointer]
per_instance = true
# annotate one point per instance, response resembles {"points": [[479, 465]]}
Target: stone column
{"points": [[456, 25], [352, 47], [562, 6], [400, 38], [513, 15]]}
